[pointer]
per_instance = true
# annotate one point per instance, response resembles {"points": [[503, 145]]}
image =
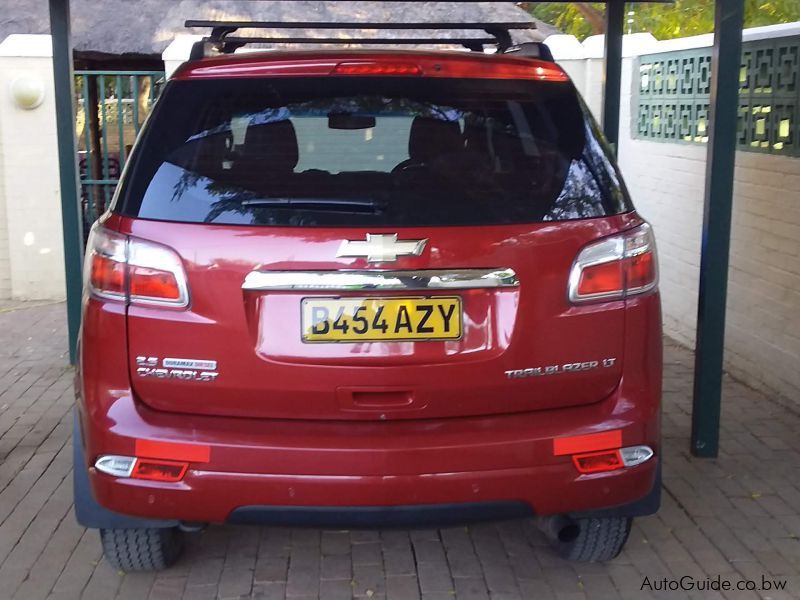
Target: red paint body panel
{"points": [[514, 328]]}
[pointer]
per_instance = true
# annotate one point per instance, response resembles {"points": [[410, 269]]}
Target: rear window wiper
{"points": [[342, 204]]}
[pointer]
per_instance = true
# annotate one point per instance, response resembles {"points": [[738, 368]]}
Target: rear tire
{"points": [[142, 549], [593, 539]]}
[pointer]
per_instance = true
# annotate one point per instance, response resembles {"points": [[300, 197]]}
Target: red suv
{"points": [[362, 288]]}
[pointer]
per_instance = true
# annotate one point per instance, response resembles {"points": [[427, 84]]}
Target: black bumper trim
{"points": [[423, 515], [647, 505]]}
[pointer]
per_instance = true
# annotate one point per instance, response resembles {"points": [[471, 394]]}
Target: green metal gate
{"points": [[111, 107]]}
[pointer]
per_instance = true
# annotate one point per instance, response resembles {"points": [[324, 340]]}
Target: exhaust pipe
{"points": [[191, 527], [558, 528]]}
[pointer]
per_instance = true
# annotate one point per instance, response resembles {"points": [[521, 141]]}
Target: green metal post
{"points": [[120, 123], [725, 65], [615, 21], [135, 96], [68, 165], [101, 82]]}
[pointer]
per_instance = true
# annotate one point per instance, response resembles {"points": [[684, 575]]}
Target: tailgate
{"points": [[521, 346]]}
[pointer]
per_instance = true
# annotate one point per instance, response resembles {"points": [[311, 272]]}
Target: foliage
{"points": [[664, 21]]}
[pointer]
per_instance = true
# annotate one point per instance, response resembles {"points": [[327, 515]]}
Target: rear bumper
{"points": [[258, 468], [221, 497]]}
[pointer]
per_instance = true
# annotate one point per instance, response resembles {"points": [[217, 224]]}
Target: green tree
{"points": [[679, 19]]}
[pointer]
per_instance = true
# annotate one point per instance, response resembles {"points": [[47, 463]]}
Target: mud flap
{"points": [[647, 505], [87, 511]]}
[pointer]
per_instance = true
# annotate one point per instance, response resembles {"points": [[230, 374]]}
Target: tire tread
{"points": [[145, 549], [598, 540]]}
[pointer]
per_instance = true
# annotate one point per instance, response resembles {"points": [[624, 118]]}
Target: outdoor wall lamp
{"points": [[27, 92]]}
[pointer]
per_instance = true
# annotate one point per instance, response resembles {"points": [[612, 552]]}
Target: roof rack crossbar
{"points": [[359, 25], [223, 42], [360, 40]]}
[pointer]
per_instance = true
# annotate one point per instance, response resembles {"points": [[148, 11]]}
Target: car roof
{"points": [[315, 63]]}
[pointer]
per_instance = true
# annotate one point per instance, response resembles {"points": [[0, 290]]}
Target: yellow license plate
{"points": [[380, 319]]}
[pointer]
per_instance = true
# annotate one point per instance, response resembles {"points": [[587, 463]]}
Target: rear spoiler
{"points": [[222, 41], [538, 50]]}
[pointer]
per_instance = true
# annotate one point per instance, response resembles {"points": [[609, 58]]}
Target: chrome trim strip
{"points": [[344, 281]]}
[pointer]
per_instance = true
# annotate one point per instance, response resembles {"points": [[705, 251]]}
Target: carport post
{"points": [[713, 293], [615, 17], [67, 165]]}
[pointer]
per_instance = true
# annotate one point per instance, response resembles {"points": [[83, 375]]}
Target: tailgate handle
{"points": [[397, 399], [345, 281], [378, 399]]}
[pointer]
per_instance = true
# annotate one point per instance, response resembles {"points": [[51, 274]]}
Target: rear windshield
{"points": [[350, 151]]}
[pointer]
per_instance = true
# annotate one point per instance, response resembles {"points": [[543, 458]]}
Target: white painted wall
{"points": [[178, 52], [584, 63], [29, 185], [5, 263], [667, 181]]}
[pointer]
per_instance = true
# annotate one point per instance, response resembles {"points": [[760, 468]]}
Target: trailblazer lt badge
{"points": [[575, 367], [186, 369]]}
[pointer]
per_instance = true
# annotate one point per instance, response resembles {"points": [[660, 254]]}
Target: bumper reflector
{"points": [[591, 442], [197, 453], [597, 462], [159, 470]]}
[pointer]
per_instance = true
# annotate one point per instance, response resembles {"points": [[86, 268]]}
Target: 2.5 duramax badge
{"points": [[186, 369]]}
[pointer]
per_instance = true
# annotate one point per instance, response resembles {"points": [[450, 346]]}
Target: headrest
{"points": [[210, 152], [274, 144], [430, 138]]}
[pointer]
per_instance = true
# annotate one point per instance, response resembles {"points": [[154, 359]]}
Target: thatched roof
{"points": [[147, 26]]}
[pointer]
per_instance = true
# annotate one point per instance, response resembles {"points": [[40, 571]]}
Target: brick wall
{"points": [[667, 181]]}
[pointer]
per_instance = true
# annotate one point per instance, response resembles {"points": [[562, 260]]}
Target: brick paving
{"points": [[737, 517]]}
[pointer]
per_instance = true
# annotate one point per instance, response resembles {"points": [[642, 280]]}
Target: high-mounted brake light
{"points": [[615, 267], [456, 67], [124, 268], [377, 68]]}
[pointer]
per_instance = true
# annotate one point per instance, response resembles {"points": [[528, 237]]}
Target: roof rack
{"points": [[220, 41]]}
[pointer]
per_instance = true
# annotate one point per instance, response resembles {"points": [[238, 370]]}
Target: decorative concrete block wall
{"points": [[31, 243]]}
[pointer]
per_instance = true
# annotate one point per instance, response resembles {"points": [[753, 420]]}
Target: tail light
{"points": [[615, 267], [125, 268]]}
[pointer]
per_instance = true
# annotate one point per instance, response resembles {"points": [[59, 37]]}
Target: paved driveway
{"points": [[736, 518]]}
